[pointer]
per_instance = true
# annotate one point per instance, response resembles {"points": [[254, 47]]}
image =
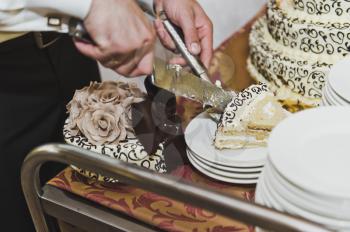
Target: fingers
{"points": [[178, 60], [164, 36], [136, 67], [88, 49], [145, 66], [140, 62], [188, 26], [205, 34], [207, 50]]}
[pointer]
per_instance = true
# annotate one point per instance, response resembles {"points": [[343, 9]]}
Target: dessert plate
{"points": [[199, 136], [218, 177], [311, 142], [226, 168], [224, 173]]}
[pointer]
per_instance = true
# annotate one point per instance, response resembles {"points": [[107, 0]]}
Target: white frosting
{"points": [[300, 72], [336, 11], [236, 114], [281, 92], [293, 47], [313, 37]]}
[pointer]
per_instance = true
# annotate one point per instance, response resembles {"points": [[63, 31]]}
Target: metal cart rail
{"points": [[43, 200]]}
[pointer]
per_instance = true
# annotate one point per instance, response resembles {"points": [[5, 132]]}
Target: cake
{"points": [[100, 120], [294, 45], [249, 118]]}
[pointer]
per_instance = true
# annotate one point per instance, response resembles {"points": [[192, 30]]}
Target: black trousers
{"points": [[35, 86]]}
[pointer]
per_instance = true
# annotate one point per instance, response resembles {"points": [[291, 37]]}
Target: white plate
{"points": [[303, 200], [266, 192], [289, 207], [220, 178], [226, 168], [329, 95], [326, 101], [257, 195], [331, 99], [199, 136], [223, 173], [339, 78], [311, 149]]}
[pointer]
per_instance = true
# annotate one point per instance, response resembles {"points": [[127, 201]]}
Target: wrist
{"points": [[75, 8]]}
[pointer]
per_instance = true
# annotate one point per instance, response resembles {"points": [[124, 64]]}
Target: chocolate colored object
{"points": [[155, 121]]}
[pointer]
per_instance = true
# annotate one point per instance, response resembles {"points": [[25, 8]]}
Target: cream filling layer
{"points": [[234, 142], [227, 138]]}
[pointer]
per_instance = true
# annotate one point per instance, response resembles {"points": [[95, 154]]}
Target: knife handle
{"points": [[178, 38], [77, 30]]}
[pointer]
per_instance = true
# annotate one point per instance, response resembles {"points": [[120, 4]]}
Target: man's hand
{"points": [[196, 25], [124, 38]]}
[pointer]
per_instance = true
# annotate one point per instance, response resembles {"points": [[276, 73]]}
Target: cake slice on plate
{"points": [[249, 118]]}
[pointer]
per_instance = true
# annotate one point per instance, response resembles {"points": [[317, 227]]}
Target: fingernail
{"points": [[195, 48]]}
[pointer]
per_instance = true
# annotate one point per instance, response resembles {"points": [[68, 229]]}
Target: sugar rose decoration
{"points": [[102, 111]]}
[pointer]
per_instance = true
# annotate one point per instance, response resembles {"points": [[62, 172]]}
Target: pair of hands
{"points": [[125, 38]]}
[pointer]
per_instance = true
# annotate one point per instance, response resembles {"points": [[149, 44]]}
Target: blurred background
{"points": [[227, 16]]}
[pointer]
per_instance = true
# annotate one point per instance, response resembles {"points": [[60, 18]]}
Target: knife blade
{"points": [[185, 84]]}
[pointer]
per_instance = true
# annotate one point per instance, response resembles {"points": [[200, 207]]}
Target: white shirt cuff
{"points": [[74, 8]]}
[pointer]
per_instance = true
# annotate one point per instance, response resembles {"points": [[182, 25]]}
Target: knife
{"points": [[185, 84], [173, 78]]}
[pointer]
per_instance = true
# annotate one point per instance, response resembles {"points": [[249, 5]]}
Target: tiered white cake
{"points": [[294, 45]]}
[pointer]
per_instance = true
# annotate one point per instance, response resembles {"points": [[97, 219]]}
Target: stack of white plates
{"points": [[242, 166], [307, 171], [337, 88]]}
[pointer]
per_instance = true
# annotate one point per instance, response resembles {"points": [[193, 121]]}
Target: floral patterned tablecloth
{"points": [[159, 211], [167, 214]]}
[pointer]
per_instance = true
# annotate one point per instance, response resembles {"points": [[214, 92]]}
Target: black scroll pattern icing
{"points": [[323, 7], [129, 150], [310, 37], [300, 76], [242, 97]]}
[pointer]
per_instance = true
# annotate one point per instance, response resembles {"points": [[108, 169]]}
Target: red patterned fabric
{"points": [[159, 211]]}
